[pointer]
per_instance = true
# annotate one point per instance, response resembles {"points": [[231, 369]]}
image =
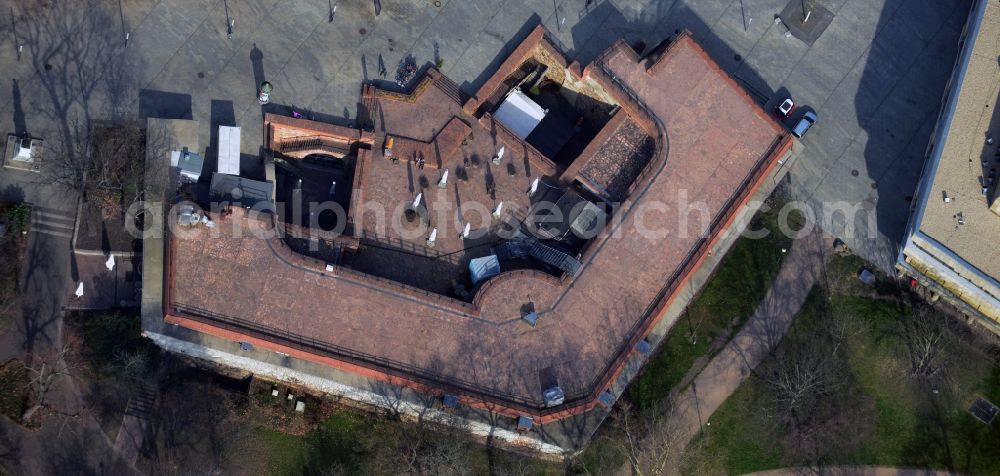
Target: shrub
{"points": [[17, 217]]}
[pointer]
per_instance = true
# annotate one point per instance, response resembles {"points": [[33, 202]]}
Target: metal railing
{"points": [[310, 142], [446, 383]]}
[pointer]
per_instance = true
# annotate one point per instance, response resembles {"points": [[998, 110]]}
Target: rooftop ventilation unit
{"points": [[187, 216], [606, 399], [531, 318], [484, 268], [553, 396], [189, 164], [644, 347], [524, 423]]}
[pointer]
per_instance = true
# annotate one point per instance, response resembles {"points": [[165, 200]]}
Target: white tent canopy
{"points": [[519, 114], [229, 150]]}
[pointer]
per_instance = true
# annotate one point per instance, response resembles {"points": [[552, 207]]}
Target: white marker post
{"points": [[499, 156], [534, 186]]}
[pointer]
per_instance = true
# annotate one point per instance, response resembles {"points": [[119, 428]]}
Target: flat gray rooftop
{"points": [[966, 159]]}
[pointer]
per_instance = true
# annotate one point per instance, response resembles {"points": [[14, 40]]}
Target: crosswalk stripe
{"points": [[54, 224], [51, 223], [61, 234], [53, 215]]}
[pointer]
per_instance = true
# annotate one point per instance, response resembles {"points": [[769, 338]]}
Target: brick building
{"points": [[578, 203]]}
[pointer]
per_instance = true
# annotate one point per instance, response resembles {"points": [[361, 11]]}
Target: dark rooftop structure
{"points": [[238, 190]]}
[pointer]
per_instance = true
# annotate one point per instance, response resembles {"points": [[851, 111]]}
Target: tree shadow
{"points": [[12, 193]]}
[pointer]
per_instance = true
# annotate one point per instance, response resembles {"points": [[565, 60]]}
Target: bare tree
{"points": [[842, 327], [43, 373], [132, 365], [926, 337], [105, 161], [648, 440], [798, 379], [445, 453]]}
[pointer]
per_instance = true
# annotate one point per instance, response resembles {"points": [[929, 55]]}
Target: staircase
{"points": [[141, 403], [366, 108], [132, 431], [554, 257], [550, 255], [449, 88]]}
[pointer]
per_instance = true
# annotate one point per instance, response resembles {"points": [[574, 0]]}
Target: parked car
{"points": [[784, 109], [807, 121]]}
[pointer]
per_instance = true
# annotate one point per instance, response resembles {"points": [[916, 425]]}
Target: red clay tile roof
{"points": [[720, 145]]}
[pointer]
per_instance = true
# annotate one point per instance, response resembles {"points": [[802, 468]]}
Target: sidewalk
{"points": [[801, 269]]}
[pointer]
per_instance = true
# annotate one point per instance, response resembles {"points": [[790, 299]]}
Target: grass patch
{"points": [[15, 218], [285, 453], [724, 304], [349, 442], [603, 454], [13, 381], [894, 418]]}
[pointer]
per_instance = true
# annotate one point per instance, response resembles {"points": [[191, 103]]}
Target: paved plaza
{"points": [[875, 75]]}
